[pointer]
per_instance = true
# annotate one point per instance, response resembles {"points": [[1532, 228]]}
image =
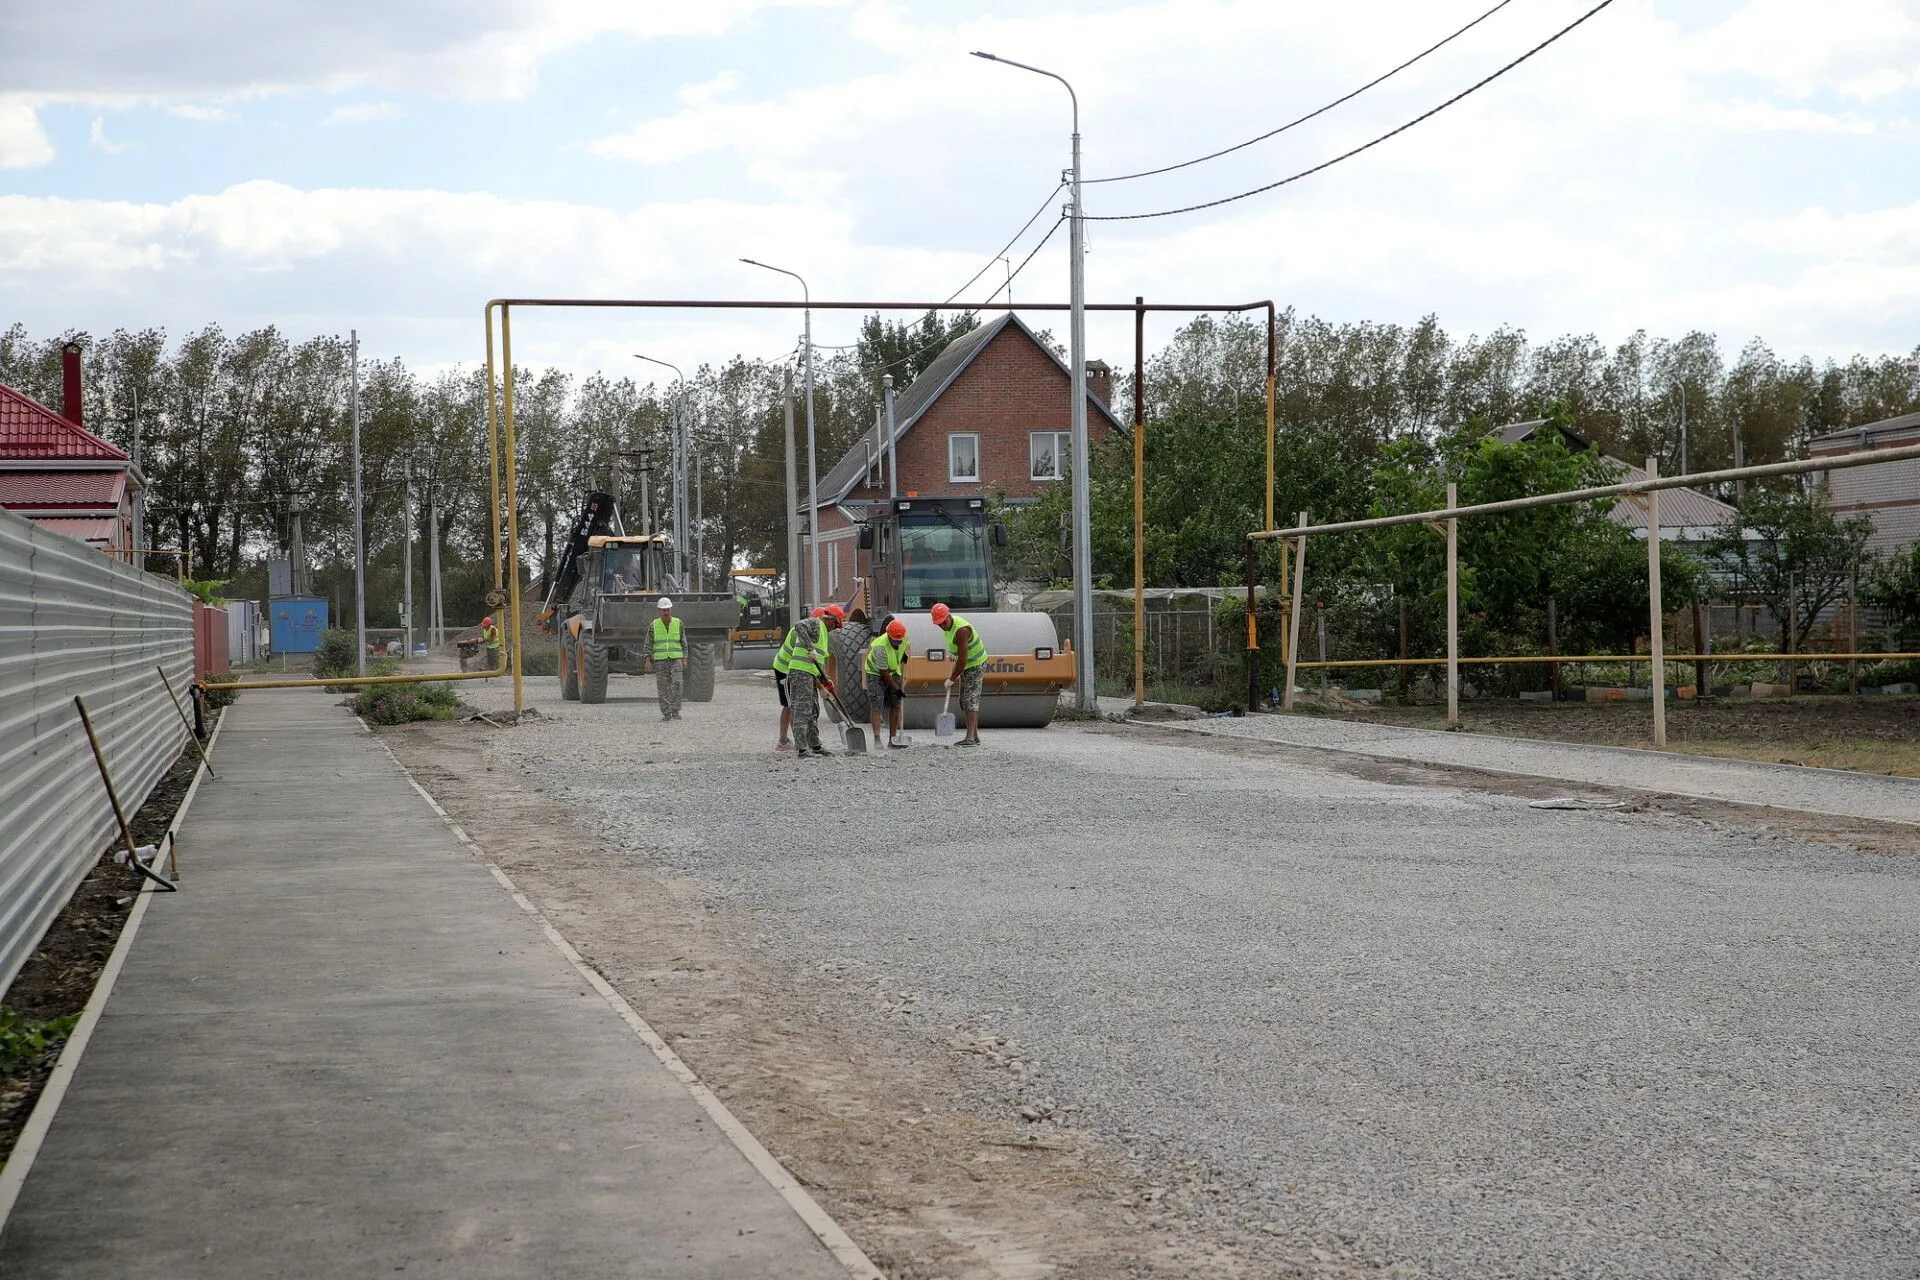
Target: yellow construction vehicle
{"points": [[756, 637]]}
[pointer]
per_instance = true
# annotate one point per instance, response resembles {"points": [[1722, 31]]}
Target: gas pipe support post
{"points": [[1292, 653], [1656, 613], [359, 511], [513, 517], [1253, 635], [1453, 606], [1140, 519]]}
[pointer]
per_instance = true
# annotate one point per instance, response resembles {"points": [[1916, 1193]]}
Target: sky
{"points": [[1747, 167]]}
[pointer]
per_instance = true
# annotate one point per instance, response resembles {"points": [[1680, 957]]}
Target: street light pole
{"points": [[679, 467], [814, 594], [1084, 695], [359, 531]]}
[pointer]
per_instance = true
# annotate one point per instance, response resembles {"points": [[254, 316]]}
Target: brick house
{"points": [[991, 414], [60, 475], [1889, 494]]}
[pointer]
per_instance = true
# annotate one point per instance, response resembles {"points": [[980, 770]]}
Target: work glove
{"points": [[826, 684], [947, 684]]}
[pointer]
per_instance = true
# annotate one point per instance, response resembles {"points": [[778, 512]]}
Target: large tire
{"points": [[593, 671], [698, 685], [569, 670], [849, 647]]}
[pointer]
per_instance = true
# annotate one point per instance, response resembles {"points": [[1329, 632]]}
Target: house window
{"points": [[1048, 453], [963, 457]]}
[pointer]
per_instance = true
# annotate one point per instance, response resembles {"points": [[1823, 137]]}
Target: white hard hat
{"points": [[665, 603]]}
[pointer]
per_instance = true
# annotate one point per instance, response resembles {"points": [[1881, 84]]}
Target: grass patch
{"points": [[404, 704], [24, 1040]]}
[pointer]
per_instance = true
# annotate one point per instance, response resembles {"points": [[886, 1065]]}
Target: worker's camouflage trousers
{"points": [[667, 680], [803, 698]]}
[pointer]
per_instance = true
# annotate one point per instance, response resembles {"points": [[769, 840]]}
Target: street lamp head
{"points": [[988, 56]]}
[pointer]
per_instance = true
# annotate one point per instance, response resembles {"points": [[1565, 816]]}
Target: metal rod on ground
{"points": [[1253, 635], [1453, 606], [186, 723], [359, 513], [1657, 617], [1140, 519], [1293, 615], [113, 798]]}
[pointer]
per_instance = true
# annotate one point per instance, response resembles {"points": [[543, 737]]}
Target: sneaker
{"points": [[969, 742], [783, 745], [896, 745]]}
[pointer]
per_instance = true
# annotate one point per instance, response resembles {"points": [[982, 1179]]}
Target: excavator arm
{"points": [[596, 517]]}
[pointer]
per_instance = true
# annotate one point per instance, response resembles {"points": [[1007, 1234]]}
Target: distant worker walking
{"points": [[886, 671], [808, 651], [969, 666], [669, 653], [490, 642]]}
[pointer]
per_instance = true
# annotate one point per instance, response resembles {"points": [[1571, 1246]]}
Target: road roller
{"points": [[919, 552], [763, 608]]}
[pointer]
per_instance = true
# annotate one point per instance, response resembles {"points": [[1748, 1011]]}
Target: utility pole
{"points": [[795, 594], [406, 560], [436, 603], [359, 517], [699, 528], [814, 595], [298, 580], [1077, 347], [140, 492]]}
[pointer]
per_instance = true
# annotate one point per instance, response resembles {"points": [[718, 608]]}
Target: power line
{"points": [[1365, 146], [1013, 240], [1274, 133]]}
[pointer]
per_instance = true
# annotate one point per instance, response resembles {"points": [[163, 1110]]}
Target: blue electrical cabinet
{"points": [[297, 622]]}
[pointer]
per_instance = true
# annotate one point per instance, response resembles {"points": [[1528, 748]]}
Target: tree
{"points": [[1783, 547]]}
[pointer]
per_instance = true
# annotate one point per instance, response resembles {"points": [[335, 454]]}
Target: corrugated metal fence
{"points": [[74, 622]]}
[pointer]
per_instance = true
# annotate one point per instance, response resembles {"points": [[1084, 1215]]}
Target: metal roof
{"points": [[38, 489], [911, 405], [104, 530], [28, 429], [1679, 508], [1869, 436]]}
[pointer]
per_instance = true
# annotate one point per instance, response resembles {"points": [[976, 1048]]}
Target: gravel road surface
{"points": [[1475, 1038]]}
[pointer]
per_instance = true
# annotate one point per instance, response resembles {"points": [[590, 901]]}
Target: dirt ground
{"points": [[59, 977], [1870, 734], [867, 1113]]}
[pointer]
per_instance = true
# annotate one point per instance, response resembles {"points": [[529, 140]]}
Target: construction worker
{"points": [[969, 666], [780, 687], [808, 651], [669, 653], [490, 642], [886, 671]]}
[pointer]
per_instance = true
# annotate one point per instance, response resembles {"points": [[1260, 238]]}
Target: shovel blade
{"points": [[943, 727], [854, 740]]}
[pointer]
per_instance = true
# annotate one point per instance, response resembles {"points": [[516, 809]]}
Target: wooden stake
{"points": [[1293, 621], [1656, 613], [1453, 606]]}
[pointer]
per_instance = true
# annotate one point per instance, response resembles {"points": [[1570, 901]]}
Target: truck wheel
{"points": [[699, 682], [593, 671], [849, 648], [569, 671]]}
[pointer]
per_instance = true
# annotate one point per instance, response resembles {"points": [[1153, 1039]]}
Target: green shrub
{"points": [[404, 704], [378, 667], [540, 660], [217, 696], [24, 1041], [335, 656]]}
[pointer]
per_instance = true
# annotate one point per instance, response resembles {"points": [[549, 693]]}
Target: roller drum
{"points": [[1022, 689]]}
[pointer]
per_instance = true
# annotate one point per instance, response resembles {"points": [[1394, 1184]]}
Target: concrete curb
{"points": [[13, 1176], [817, 1219]]}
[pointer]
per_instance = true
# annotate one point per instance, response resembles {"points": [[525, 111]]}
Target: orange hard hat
{"points": [[835, 612], [820, 611], [940, 615], [897, 629], [487, 621]]}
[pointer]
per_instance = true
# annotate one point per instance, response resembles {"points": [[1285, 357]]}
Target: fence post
{"points": [[1253, 636], [1853, 629], [1320, 624], [1656, 642], [1453, 606], [1701, 688], [1293, 619]]}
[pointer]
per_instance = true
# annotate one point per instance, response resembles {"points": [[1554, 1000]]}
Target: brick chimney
{"points": [[70, 383], [1100, 381]]}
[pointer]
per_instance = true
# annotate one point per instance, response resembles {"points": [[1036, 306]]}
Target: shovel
{"points": [[853, 740], [943, 723]]}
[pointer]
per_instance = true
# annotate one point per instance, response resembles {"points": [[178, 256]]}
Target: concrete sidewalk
{"points": [[342, 1049], [1832, 791]]}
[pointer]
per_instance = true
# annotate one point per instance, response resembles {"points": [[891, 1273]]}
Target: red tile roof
{"points": [[89, 529], [39, 490], [28, 429]]}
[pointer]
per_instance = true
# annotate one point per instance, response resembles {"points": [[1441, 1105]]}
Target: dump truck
{"points": [[604, 597], [919, 552]]}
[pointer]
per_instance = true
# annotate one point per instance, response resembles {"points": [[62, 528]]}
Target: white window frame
{"points": [[954, 437], [1062, 444]]}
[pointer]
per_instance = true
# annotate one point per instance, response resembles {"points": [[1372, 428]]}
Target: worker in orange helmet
{"points": [[808, 653], [969, 666], [490, 640], [886, 672]]}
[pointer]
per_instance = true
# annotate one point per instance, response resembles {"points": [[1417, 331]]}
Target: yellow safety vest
{"points": [[666, 640], [490, 637], [976, 651], [882, 657], [809, 657]]}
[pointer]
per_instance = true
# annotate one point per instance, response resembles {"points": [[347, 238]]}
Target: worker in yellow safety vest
{"points": [[808, 653], [886, 672], [669, 654], [969, 666], [490, 642]]}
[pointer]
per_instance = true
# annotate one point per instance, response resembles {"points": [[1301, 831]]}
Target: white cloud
{"points": [[98, 140], [362, 113], [196, 111], [23, 143]]}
